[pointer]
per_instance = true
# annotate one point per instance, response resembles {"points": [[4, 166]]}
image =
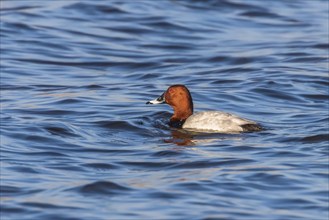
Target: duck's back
{"points": [[219, 122]]}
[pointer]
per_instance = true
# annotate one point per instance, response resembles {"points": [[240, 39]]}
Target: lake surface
{"points": [[78, 141]]}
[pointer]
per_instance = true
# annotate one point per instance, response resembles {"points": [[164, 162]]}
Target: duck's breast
{"points": [[216, 121]]}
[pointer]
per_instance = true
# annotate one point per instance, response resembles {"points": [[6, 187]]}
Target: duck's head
{"points": [[180, 99]]}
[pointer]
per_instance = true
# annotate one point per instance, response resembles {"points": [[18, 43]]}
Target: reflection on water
{"points": [[78, 141], [183, 137]]}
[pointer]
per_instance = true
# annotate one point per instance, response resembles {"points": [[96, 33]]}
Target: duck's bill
{"points": [[159, 100]]}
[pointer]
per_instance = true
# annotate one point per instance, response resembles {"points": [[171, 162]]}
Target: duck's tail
{"points": [[251, 127]]}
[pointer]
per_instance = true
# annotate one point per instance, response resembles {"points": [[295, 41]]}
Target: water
{"points": [[78, 141]]}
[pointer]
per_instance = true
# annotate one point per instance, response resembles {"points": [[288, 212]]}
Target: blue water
{"points": [[78, 141]]}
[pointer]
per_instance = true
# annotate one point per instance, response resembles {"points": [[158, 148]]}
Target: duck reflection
{"points": [[181, 138]]}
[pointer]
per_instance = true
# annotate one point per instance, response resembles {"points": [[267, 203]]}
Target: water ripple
{"points": [[102, 188]]}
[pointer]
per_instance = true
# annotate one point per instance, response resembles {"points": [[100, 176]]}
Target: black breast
{"points": [[176, 124]]}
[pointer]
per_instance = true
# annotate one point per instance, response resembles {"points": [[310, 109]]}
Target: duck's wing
{"points": [[218, 121]]}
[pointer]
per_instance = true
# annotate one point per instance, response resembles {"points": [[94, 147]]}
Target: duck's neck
{"points": [[181, 113]]}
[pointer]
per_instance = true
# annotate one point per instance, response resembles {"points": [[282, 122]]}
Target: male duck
{"points": [[180, 99]]}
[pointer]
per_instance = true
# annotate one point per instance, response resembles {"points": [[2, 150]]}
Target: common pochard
{"points": [[180, 99]]}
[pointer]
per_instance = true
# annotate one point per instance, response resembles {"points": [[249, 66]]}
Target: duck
{"points": [[179, 98]]}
